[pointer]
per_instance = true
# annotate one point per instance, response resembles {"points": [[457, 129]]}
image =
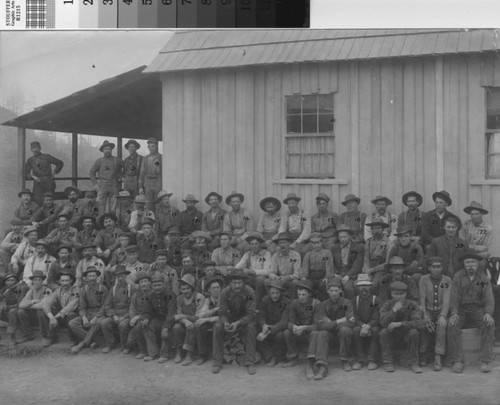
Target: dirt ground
{"points": [[55, 377]]}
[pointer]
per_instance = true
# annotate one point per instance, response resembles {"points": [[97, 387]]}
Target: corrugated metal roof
{"points": [[211, 49]]}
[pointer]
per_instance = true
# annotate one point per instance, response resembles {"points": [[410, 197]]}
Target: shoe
{"points": [[485, 367], [389, 367], [106, 349], [126, 351], [216, 368], [346, 365], [178, 356], [321, 373], [202, 360], [188, 359], [46, 342], [457, 367], [140, 356], [372, 366], [162, 360], [251, 369], [415, 368], [290, 363], [150, 358], [93, 345], [310, 370], [422, 363], [271, 362], [78, 348], [357, 366], [437, 363], [26, 339]]}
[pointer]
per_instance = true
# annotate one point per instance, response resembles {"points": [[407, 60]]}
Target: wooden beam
{"points": [[119, 147], [21, 155], [439, 124], [74, 159]]}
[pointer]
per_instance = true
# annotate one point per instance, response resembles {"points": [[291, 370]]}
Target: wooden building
{"points": [[373, 112]]}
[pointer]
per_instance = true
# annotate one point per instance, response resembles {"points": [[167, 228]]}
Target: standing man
{"points": [[269, 223], [376, 251], [190, 219], [353, 218], [39, 169], [296, 223], [381, 215], [475, 231], [166, 215], [132, 167], [213, 220], [413, 216], [238, 221], [150, 176], [105, 175], [324, 221], [317, 267], [225, 256], [74, 207]]}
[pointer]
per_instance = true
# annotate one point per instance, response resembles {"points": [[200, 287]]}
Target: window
{"points": [[493, 133], [310, 140]]}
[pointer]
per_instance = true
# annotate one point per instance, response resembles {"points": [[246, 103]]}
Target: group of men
{"points": [[128, 265]]}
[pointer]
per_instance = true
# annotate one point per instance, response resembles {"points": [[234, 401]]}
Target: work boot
{"points": [[216, 368], [310, 369], [140, 356], [291, 363], [202, 360], [162, 360], [437, 363], [485, 367], [78, 348], [346, 365], [188, 359], [150, 358], [372, 366], [457, 367], [423, 361], [357, 366], [389, 367], [126, 350], [106, 349], [178, 356], [321, 373], [271, 362], [415, 368], [251, 369]]}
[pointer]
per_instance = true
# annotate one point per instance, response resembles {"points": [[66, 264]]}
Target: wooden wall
{"points": [[400, 124]]}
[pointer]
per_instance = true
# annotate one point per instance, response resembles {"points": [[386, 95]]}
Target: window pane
{"points": [[310, 104], [311, 157], [310, 123], [293, 104], [56, 144], [325, 103], [493, 158], [493, 108], [325, 123], [293, 124]]}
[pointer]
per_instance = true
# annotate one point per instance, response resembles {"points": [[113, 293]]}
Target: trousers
{"points": [[82, 333], [204, 338], [109, 327], [151, 189], [373, 344], [273, 345], [439, 336], [248, 334], [44, 185], [184, 337], [322, 340], [410, 337], [293, 344], [26, 316], [106, 195]]}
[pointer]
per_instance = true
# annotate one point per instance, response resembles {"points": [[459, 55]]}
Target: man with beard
{"points": [[353, 218], [148, 242], [10, 244], [471, 306], [90, 208], [125, 206], [139, 215], [40, 261], [88, 232], [381, 215], [366, 308], [131, 167], [150, 176], [63, 234], [236, 315], [325, 222], [412, 218], [160, 267], [90, 260], [285, 265], [10, 297], [167, 216], [87, 324], [27, 207], [105, 174], [74, 207], [44, 219], [25, 250], [189, 219], [475, 231], [396, 267], [225, 256], [410, 251], [64, 264], [376, 251], [107, 239], [238, 222], [269, 223], [213, 220], [201, 253], [296, 223], [317, 266]]}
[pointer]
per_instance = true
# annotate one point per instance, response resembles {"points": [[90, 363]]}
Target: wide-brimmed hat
{"points": [[398, 286], [213, 194], [161, 194], [88, 246], [152, 140], [474, 205], [190, 197], [273, 200], [381, 198], [141, 199], [378, 223], [157, 278], [395, 261], [276, 284], [189, 280], [148, 221], [470, 254], [174, 231], [64, 246], [363, 279], [66, 273], [25, 191], [105, 216], [307, 284], [11, 274], [323, 196], [283, 236], [121, 269], [141, 275], [234, 194], [48, 194], [37, 273], [41, 242], [444, 195], [30, 229], [214, 279], [70, 189], [316, 237], [132, 142], [291, 196], [124, 194], [412, 194], [132, 249], [402, 230], [161, 252], [255, 236], [343, 228], [236, 274], [201, 234], [106, 143], [91, 269], [63, 215], [350, 197]]}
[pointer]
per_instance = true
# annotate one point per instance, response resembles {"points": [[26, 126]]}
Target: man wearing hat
{"points": [[348, 259], [74, 207], [401, 320], [450, 247], [27, 207], [132, 263], [412, 218], [296, 223], [201, 253], [190, 219], [113, 315], [64, 264], [471, 306], [44, 219], [302, 313], [92, 296], [272, 320], [25, 250], [286, 264], [269, 223], [381, 215], [31, 307], [475, 231], [150, 176], [366, 309], [213, 219], [160, 267], [125, 207], [90, 207], [10, 296], [166, 215], [435, 293], [225, 256], [41, 260], [236, 314], [131, 167], [140, 214], [140, 313], [324, 221], [317, 266], [409, 250], [89, 260], [173, 247], [238, 221], [107, 239], [88, 232], [105, 175], [10, 243], [61, 307], [39, 169], [396, 267], [376, 248], [148, 242], [433, 221], [353, 218], [62, 234]]}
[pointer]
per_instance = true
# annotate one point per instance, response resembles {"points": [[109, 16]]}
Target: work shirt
{"points": [[169, 275], [238, 223], [60, 236], [384, 290], [189, 221], [410, 253], [117, 301], [92, 297], [450, 250], [23, 252], [478, 237], [13, 296], [298, 225], [85, 237], [269, 225], [134, 268], [467, 294], [410, 314], [412, 219], [316, 262], [108, 239], [237, 306], [57, 268], [90, 209], [210, 309], [46, 214], [84, 264], [136, 218], [190, 306], [334, 310], [74, 211], [132, 165], [274, 313], [174, 255], [325, 223], [166, 218], [12, 240], [303, 314], [375, 253], [366, 310], [286, 264], [226, 258], [140, 305], [356, 221], [258, 262], [64, 301], [433, 225], [37, 263], [388, 218], [151, 168], [213, 221], [148, 247], [435, 294], [35, 294], [106, 168], [164, 306], [41, 166], [25, 212]]}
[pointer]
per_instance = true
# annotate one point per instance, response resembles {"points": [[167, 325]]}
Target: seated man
{"points": [[381, 215], [408, 250], [317, 266], [366, 308], [133, 264], [90, 260], [201, 253], [208, 315], [166, 215], [213, 220], [353, 218], [435, 293], [302, 313], [62, 234], [25, 210], [87, 324], [140, 313], [273, 320], [225, 256], [10, 297], [476, 232], [238, 222], [25, 250], [61, 307], [40, 261], [412, 218], [73, 207], [471, 306], [161, 267], [335, 318], [400, 319], [236, 314], [118, 257], [90, 207], [45, 217], [173, 247], [31, 308], [148, 242], [107, 239], [376, 248], [88, 232], [347, 259], [396, 268], [325, 222], [124, 208], [189, 304], [10, 244], [63, 264], [296, 223], [114, 314], [269, 223], [189, 219], [139, 215], [285, 265]]}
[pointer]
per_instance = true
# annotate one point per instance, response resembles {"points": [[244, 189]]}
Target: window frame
{"points": [[489, 133]]}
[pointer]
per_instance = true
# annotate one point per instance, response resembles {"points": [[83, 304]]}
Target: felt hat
{"points": [[66, 273], [434, 259], [30, 229], [395, 261], [48, 194], [121, 269], [25, 191], [350, 197], [190, 197], [11, 274], [412, 194], [475, 206], [132, 249], [70, 189], [403, 229], [378, 223], [125, 235], [255, 236], [88, 246], [234, 194], [174, 231], [148, 221], [42, 242], [63, 215], [157, 278], [161, 194], [227, 233], [276, 284], [291, 196], [398, 286], [187, 253], [140, 199], [333, 282], [324, 197], [64, 246], [381, 198], [141, 275], [316, 237], [106, 143], [37, 273], [273, 200], [35, 143], [213, 194], [124, 194], [236, 274], [343, 228], [132, 142], [363, 279], [201, 234], [208, 263], [214, 279], [91, 194], [306, 284], [444, 195], [161, 252], [107, 215], [91, 217], [152, 140], [470, 254], [283, 236], [91, 269], [189, 280]]}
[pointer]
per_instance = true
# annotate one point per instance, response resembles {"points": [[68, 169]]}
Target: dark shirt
{"points": [[13, 296], [467, 294], [41, 166], [140, 305], [413, 219], [356, 221], [148, 247], [410, 314], [303, 314], [366, 310], [190, 221], [92, 297], [335, 310], [164, 306], [384, 290], [274, 314], [237, 306], [433, 226]]}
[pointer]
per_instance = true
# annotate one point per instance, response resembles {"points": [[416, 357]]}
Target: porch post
{"points": [[21, 156], [74, 159]]}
